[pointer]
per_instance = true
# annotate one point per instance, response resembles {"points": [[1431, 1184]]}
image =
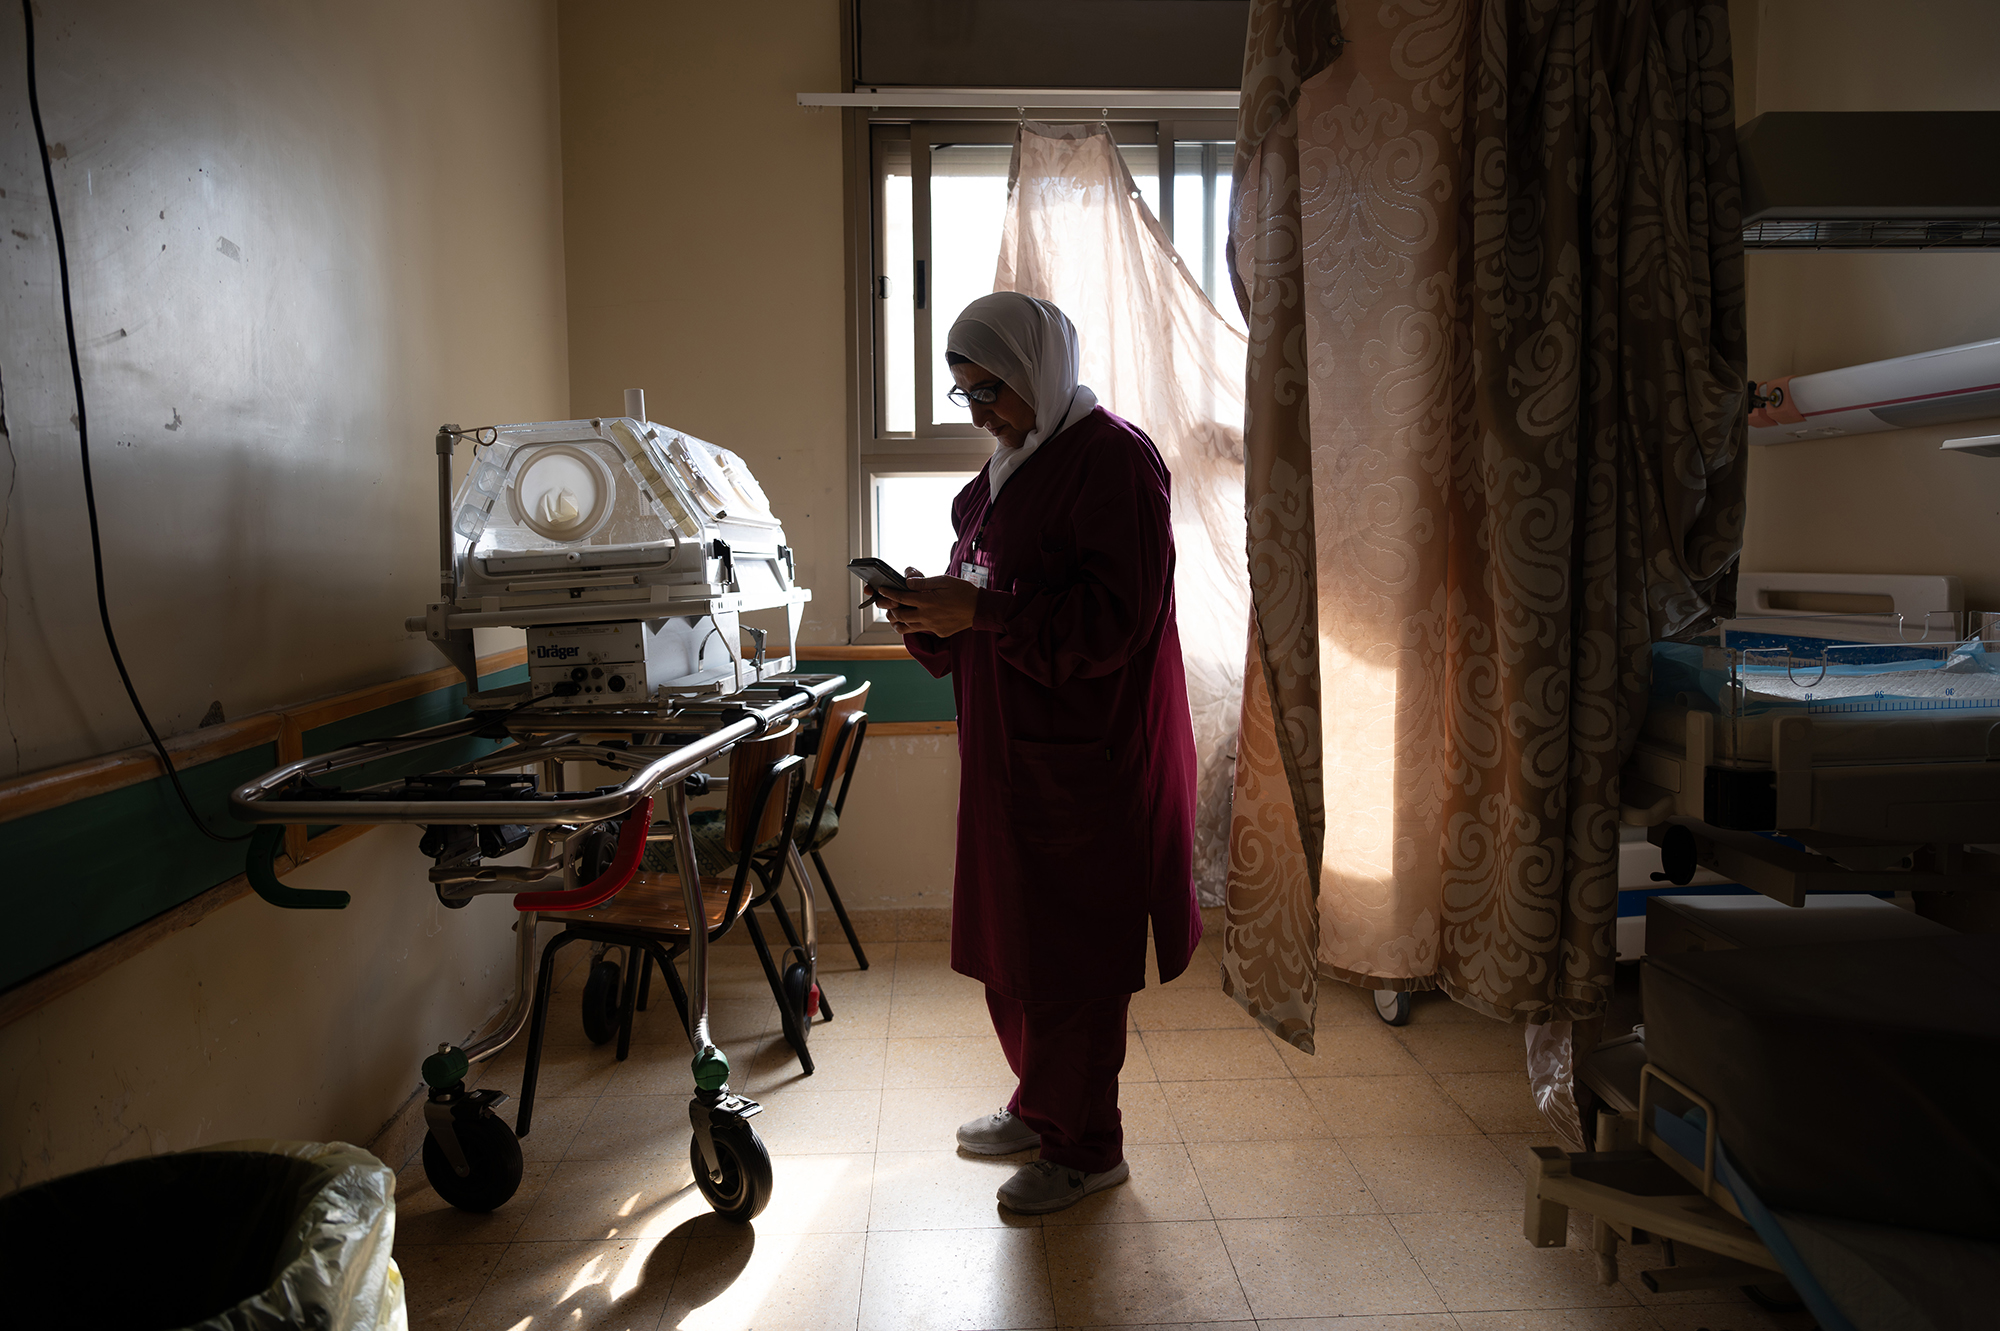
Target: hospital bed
{"points": [[636, 558], [1809, 1099], [1777, 1122]]}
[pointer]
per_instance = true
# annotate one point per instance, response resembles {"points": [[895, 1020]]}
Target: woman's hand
{"points": [[942, 606], [885, 597]]}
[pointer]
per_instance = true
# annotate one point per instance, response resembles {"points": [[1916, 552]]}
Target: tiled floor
{"points": [[1374, 1186]]}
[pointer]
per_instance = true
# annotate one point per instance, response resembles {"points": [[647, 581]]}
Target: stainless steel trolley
{"points": [[582, 848]]}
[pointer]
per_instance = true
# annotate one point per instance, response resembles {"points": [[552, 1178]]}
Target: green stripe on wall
{"points": [[902, 690], [84, 873], [424, 710]]}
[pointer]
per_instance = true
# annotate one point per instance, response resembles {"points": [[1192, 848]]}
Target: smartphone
{"points": [[875, 573]]}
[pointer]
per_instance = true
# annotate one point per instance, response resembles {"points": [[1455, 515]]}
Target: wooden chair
{"points": [[843, 725], [740, 857]]}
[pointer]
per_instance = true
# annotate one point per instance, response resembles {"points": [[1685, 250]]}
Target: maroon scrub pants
{"points": [[1067, 1056]]}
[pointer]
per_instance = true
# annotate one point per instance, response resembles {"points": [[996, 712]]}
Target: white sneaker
{"points": [[999, 1133], [1041, 1186]]}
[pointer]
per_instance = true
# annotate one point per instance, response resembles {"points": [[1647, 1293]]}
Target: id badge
{"points": [[977, 574]]}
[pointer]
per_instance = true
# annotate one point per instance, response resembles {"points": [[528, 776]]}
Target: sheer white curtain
{"points": [[1156, 351]]}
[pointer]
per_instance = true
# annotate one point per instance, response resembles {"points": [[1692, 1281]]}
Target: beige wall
{"points": [[1878, 503], [387, 179], [898, 837], [704, 237], [704, 245], [257, 1022], [301, 237]]}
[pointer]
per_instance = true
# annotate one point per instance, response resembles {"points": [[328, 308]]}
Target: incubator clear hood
{"points": [[627, 549]]}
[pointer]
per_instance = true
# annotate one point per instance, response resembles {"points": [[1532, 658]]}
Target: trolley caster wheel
{"points": [[494, 1154], [745, 1186], [601, 1001], [1393, 1006], [800, 992], [596, 849]]}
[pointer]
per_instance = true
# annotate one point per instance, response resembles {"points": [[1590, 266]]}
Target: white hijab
{"points": [[1031, 345]]}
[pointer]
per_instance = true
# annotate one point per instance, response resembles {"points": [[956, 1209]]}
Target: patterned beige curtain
{"points": [[1159, 354], [1490, 255]]}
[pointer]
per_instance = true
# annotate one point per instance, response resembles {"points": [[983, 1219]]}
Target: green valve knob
{"points": [[446, 1068], [711, 1069]]}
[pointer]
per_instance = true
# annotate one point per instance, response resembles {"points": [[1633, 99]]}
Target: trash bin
{"points": [[241, 1236]]}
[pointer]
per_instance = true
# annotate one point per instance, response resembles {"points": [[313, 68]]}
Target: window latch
{"points": [[920, 284]]}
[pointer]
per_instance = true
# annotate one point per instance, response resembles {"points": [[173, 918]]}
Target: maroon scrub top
{"points": [[1076, 753]]}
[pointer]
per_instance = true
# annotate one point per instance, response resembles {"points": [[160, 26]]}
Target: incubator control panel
{"points": [[588, 660]]}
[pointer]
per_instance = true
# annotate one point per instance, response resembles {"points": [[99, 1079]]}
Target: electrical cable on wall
{"points": [[83, 444]]}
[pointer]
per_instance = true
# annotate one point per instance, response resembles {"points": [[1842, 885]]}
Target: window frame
{"points": [[951, 447]]}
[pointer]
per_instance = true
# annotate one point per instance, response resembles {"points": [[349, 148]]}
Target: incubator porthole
{"points": [[562, 492]]}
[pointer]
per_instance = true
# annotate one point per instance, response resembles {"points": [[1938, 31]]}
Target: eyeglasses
{"points": [[985, 394]]}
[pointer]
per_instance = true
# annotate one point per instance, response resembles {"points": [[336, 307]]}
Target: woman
{"points": [[1076, 795]]}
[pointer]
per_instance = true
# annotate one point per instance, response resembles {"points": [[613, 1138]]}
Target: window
{"points": [[1199, 219], [968, 198], [896, 310], [912, 518], [927, 222], [909, 521]]}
